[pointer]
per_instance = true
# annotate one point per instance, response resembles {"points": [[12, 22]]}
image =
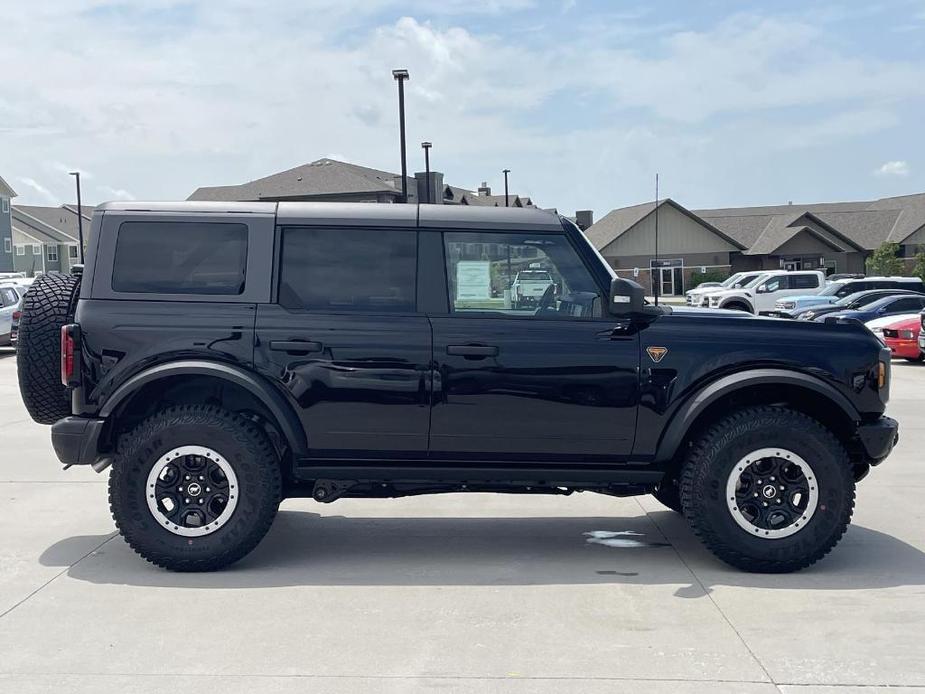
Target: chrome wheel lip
{"points": [[743, 464], [165, 460]]}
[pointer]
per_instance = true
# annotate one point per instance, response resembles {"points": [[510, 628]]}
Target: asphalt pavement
{"points": [[470, 593]]}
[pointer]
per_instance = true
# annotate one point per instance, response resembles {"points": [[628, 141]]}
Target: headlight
{"points": [[809, 315], [788, 304], [906, 335]]}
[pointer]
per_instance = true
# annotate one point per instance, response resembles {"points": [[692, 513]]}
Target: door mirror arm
{"points": [[627, 300]]}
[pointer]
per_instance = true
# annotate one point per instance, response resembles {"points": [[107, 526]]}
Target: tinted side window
{"points": [[804, 281], [8, 297], [528, 275], [776, 284], [911, 304], [364, 270], [180, 258]]}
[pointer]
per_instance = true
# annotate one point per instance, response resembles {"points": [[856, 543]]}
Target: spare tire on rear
{"points": [[48, 305]]}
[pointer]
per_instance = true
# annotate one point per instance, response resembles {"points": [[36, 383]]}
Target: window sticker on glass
{"points": [[473, 280]]}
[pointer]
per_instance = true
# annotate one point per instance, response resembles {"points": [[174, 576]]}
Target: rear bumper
{"points": [[76, 439], [879, 437]]}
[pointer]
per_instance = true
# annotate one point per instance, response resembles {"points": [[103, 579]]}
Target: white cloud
{"points": [[893, 168], [46, 195], [234, 92], [111, 193]]}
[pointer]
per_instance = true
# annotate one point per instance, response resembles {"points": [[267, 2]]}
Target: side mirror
{"points": [[627, 298], [762, 289]]}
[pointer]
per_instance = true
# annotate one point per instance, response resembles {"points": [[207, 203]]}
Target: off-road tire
{"points": [[48, 305], [737, 306], [246, 448], [711, 460], [668, 493]]}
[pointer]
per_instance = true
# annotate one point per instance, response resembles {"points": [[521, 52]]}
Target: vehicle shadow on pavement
{"points": [[7, 352], [307, 549]]}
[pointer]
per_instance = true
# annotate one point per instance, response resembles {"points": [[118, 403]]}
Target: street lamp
{"points": [[400, 76], [507, 200], [426, 147], [80, 218]]}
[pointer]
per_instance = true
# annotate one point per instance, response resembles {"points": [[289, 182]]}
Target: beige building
{"points": [[835, 237]]}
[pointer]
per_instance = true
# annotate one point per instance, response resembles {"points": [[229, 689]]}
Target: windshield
{"points": [[534, 275], [731, 280], [832, 289], [750, 281]]}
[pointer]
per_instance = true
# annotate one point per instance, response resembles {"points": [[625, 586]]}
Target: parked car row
{"points": [[12, 289]]}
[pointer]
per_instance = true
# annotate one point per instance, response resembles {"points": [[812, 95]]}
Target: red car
{"points": [[902, 338]]}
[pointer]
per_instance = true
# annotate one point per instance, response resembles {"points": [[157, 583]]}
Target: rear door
{"points": [[552, 381], [346, 340]]}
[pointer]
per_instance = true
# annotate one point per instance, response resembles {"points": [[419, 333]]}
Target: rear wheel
{"points": [[768, 490], [194, 488], [48, 305], [916, 360]]}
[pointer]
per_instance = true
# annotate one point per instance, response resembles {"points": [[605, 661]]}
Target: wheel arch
{"points": [[802, 392], [737, 300], [203, 381]]}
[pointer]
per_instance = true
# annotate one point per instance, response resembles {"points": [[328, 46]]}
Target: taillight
{"points": [[17, 315], [69, 354]]}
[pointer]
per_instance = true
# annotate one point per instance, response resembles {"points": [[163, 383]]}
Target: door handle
{"points": [[303, 346], [472, 350]]}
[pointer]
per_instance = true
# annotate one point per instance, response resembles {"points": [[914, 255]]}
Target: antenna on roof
{"points": [[657, 280]]}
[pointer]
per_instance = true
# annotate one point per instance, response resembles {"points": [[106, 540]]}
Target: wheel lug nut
{"points": [[202, 478], [188, 477], [187, 501], [759, 481], [208, 489], [765, 503], [201, 500], [782, 487], [755, 494], [772, 479]]}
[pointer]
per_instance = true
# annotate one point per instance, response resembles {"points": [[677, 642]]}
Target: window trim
{"points": [[75, 255], [278, 268], [36, 249], [48, 252], [7, 245], [564, 233], [20, 249], [5, 207]]}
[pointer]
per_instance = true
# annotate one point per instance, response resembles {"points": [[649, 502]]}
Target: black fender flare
{"points": [[286, 418], [696, 404], [738, 300]]}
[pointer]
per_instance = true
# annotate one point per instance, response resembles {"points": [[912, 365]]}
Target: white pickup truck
{"points": [[760, 295], [529, 286]]}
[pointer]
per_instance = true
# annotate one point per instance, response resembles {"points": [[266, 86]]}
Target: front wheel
{"points": [[768, 490], [194, 488]]}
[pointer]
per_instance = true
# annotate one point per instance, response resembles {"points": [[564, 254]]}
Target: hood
{"points": [[708, 312], [722, 293]]}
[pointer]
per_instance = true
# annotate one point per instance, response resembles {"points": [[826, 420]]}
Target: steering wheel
{"points": [[546, 301]]}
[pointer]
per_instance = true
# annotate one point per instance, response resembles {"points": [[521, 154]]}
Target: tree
{"points": [[919, 268], [885, 260]]}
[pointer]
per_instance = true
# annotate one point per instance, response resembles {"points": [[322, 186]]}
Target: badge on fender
{"points": [[656, 354]]}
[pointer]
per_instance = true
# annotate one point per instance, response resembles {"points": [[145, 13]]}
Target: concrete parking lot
{"points": [[475, 593]]}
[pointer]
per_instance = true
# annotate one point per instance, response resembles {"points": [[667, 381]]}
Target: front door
{"points": [[556, 381], [345, 340]]}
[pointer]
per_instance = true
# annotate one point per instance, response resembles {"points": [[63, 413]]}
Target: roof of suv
{"points": [[346, 213]]}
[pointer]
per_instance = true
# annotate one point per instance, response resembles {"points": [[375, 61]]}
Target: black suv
{"points": [[221, 357]]}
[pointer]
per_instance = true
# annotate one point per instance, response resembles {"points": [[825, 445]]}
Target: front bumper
{"points": [[76, 440], [879, 437]]}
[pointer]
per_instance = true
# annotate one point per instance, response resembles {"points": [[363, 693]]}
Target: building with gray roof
{"points": [[837, 237], [330, 180]]}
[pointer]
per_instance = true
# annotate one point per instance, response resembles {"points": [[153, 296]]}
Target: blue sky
{"points": [[584, 100]]}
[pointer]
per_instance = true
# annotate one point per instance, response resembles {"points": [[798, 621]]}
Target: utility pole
{"points": [[658, 268], [507, 197], [400, 76]]}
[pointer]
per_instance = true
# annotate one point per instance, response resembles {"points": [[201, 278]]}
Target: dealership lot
{"points": [[480, 593]]}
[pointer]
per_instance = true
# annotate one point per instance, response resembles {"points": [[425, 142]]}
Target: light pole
{"points": [[507, 200], [400, 76], [80, 219], [426, 147]]}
